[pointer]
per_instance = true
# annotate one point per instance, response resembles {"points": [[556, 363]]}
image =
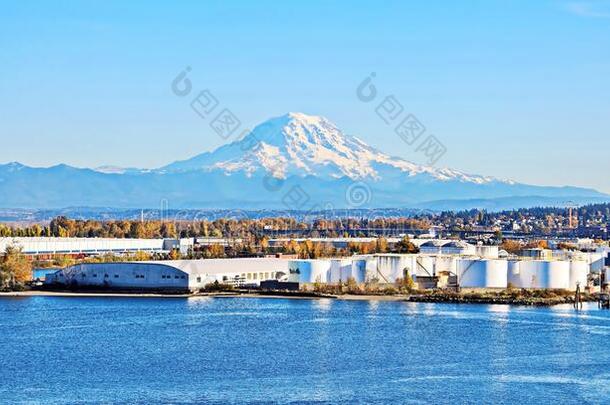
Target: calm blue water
{"points": [[202, 350], [40, 274]]}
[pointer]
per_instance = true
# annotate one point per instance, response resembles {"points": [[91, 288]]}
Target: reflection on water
{"points": [[323, 304], [198, 302], [205, 350]]}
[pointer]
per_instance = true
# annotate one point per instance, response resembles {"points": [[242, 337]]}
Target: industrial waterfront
{"points": [[203, 350], [438, 264]]}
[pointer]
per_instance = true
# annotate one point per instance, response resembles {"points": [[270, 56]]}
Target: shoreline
{"points": [[525, 301], [418, 298], [38, 293], [271, 295]]}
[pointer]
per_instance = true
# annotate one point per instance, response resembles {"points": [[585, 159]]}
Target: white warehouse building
{"points": [[185, 275], [46, 246]]}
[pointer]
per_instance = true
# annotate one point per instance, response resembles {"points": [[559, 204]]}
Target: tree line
{"points": [[231, 228]]}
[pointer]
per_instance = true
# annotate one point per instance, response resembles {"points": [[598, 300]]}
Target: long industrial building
{"points": [[469, 271], [89, 246], [172, 275], [457, 262]]}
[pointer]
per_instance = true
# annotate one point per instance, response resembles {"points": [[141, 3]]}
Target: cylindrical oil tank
{"points": [[371, 268], [346, 272], [309, 271], [394, 266], [514, 273], [407, 266], [544, 274], [446, 264], [482, 273], [340, 270], [384, 266], [596, 262], [358, 272], [579, 270], [558, 274], [424, 266], [575, 255], [457, 247], [487, 252]]}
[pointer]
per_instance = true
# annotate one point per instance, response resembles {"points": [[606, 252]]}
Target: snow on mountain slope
{"points": [[302, 145], [309, 152]]}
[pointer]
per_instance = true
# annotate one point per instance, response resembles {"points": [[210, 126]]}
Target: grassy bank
{"points": [[353, 292], [509, 296]]}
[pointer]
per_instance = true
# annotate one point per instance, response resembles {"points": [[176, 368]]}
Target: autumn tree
{"points": [[175, 254], [15, 268], [264, 243], [406, 246], [381, 245], [537, 244], [406, 283], [511, 246], [141, 256], [168, 230], [63, 261], [566, 246]]}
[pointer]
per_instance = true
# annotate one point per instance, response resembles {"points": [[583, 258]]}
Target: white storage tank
{"points": [[514, 273], [579, 270], [358, 271], [458, 247], [446, 264], [309, 271], [346, 272], [393, 266], [487, 252], [596, 262], [544, 274], [424, 266], [340, 270], [486, 273], [371, 269]]}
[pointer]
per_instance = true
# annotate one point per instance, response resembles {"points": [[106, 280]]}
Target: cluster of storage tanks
{"points": [[471, 272], [328, 271], [501, 273], [548, 274]]}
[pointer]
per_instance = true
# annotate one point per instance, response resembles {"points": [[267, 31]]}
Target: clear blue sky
{"points": [[514, 89]]}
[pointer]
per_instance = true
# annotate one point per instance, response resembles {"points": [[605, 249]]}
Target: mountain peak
{"points": [[298, 144], [295, 115], [279, 130], [308, 151], [299, 118], [12, 166]]}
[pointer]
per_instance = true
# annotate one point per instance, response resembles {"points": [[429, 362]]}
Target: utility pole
{"points": [[577, 298]]}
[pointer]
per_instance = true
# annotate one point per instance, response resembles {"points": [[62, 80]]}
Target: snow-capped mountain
{"points": [[297, 144], [311, 162]]}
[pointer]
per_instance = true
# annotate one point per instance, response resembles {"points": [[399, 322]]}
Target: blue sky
{"points": [[514, 89]]}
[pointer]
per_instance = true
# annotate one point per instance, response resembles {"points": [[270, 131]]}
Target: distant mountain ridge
{"points": [[280, 158]]}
